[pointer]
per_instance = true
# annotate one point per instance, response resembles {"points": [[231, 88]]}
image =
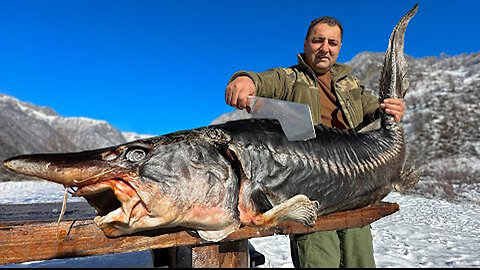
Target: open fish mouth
{"points": [[109, 195], [116, 201]]}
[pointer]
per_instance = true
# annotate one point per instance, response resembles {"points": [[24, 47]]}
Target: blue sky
{"points": [[155, 67]]}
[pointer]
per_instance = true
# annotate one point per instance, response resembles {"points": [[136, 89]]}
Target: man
{"points": [[336, 98]]}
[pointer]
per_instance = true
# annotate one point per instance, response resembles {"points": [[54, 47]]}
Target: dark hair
{"points": [[325, 19]]}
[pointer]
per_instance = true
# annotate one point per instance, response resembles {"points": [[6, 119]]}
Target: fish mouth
{"points": [[113, 197]]}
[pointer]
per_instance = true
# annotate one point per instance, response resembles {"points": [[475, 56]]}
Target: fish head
{"points": [[78, 169], [107, 178], [145, 184]]}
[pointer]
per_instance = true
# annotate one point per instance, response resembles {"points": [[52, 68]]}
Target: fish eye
{"points": [[136, 155]]}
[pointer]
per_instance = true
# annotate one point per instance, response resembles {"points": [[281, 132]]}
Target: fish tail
{"points": [[393, 80]]}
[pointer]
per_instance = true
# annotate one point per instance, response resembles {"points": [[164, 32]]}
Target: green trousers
{"points": [[341, 248]]}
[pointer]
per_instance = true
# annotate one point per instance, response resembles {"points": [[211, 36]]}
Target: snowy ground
{"points": [[423, 233]]}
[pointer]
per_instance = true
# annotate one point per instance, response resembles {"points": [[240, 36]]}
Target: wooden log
{"points": [[22, 241], [232, 254]]}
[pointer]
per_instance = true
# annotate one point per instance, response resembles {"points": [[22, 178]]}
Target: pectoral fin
{"points": [[215, 236]]}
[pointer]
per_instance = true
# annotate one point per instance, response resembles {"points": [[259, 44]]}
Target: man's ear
{"points": [[304, 45]]}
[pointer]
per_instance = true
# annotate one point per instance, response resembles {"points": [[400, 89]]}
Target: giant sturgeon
{"points": [[215, 179]]}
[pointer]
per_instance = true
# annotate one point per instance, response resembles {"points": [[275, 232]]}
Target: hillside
{"points": [[442, 119], [26, 128], [441, 122]]}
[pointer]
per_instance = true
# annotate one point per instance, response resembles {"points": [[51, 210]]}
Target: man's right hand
{"points": [[238, 90]]}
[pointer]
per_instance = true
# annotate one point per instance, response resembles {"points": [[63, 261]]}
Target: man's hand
{"points": [[395, 107], [238, 90]]}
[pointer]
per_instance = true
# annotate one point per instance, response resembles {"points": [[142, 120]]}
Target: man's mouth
{"points": [[323, 58]]}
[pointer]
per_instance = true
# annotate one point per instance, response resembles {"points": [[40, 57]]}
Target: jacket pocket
{"points": [[353, 100], [356, 93]]}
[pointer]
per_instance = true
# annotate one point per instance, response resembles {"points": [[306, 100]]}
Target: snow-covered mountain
{"points": [[26, 128], [441, 123], [442, 120]]}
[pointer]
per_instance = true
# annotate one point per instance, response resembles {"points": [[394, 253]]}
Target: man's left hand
{"points": [[395, 107]]}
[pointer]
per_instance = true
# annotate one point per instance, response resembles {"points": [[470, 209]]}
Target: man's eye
{"points": [[333, 43]]}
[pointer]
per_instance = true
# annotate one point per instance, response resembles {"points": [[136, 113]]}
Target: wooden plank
{"points": [[20, 213], [30, 241]]}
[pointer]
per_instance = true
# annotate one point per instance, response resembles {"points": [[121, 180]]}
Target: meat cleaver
{"points": [[295, 118]]}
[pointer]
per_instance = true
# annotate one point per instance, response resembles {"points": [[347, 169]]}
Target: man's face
{"points": [[322, 46]]}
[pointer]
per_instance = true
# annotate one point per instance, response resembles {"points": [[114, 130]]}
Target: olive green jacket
{"points": [[298, 83]]}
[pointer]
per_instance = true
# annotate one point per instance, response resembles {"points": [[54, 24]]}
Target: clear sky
{"points": [[154, 67]]}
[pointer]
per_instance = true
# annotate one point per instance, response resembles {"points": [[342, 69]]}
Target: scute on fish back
{"points": [[215, 179]]}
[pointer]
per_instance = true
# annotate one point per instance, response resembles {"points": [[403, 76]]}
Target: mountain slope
{"points": [[442, 118], [26, 128], [441, 121]]}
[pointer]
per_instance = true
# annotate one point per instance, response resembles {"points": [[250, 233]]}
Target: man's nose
{"points": [[324, 47]]}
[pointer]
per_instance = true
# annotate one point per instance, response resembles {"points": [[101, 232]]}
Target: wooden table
{"points": [[28, 232]]}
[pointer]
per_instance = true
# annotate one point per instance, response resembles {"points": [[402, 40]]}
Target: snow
{"points": [[32, 192], [457, 73], [42, 116], [472, 79], [82, 120], [37, 114], [423, 233], [428, 233]]}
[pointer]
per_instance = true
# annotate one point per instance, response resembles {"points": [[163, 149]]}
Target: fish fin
{"points": [[298, 208], [408, 179], [393, 81], [114, 223], [215, 236]]}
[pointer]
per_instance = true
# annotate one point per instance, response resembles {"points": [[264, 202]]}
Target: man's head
{"points": [[322, 43]]}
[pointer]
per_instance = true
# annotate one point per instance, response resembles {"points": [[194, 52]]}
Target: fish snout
{"points": [[25, 165], [12, 164], [50, 167]]}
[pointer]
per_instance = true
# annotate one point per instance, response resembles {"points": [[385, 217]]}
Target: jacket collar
{"points": [[338, 70]]}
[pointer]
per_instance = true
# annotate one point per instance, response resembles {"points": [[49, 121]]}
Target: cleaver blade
{"points": [[295, 118]]}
